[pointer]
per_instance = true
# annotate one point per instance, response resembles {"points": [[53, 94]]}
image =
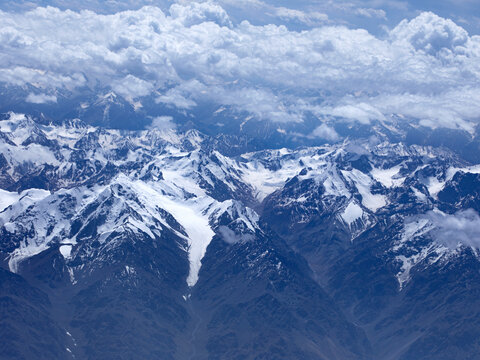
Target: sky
{"points": [[282, 61], [373, 15]]}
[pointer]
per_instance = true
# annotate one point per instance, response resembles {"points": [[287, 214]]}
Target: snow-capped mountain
{"points": [[165, 244]]}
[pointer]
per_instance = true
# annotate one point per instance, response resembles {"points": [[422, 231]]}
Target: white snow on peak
{"points": [[434, 186], [388, 177], [452, 171], [190, 213], [40, 217], [7, 198], [33, 153], [420, 196], [332, 182], [265, 181], [352, 213], [363, 184], [66, 251], [177, 176]]}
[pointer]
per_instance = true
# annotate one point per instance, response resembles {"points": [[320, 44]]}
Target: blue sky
{"points": [[369, 14]]}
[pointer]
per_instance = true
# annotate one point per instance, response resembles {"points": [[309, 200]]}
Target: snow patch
{"points": [[363, 183], [24, 252], [434, 186], [388, 177], [130, 270], [420, 196], [352, 213], [411, 252], [7, 198], [191, 215], [66, 251]]}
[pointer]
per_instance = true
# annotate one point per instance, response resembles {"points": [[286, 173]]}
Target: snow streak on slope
{"points": [[411, 248], [191, 215], [46, 215], [363, 184], [199, 234]]}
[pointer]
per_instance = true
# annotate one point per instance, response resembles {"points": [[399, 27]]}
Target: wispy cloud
{"points": [[40, 98], [452, 230]]}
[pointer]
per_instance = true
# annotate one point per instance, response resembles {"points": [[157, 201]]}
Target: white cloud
{"points": [[131, 87], [40, 98], [261, 103], [462, 227], [195, 13], [175, 98], [21, 75], [371, 13], [162, 123], [260, 9], [431, 33], [361, 112], [326, 132], [426, 68], [455, 109], [311, 18]]}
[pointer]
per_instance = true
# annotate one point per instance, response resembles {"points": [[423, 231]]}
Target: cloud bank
{"points": [[427, 68]]}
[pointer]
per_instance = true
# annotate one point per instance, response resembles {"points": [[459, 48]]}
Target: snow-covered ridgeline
{"points": [[177, 174]]}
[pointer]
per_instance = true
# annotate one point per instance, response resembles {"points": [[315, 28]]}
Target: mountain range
{"points": [[175, 244]]}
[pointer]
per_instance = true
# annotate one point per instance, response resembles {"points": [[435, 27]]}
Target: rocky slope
{"points": [[158, 244]]}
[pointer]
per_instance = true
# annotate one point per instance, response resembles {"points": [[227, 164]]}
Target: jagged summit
{"points": [[312, 252]]}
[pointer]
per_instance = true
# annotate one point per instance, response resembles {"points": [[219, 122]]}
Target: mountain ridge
{"points": [[328, 243]]}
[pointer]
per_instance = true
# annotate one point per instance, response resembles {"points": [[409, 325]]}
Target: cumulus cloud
{"points": [[260, 103], [99, 6], [462, 228], [162, 123], [40, 98], [325, 132], [265, 11], [131, 87], [427, 68], [174, 97], [195, 13], [432, 34]]}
